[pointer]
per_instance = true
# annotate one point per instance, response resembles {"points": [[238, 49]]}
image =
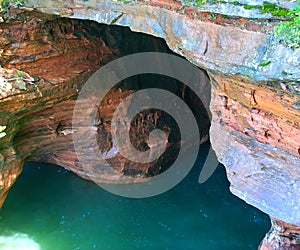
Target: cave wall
{"points": [[255, 108], [225, 44], [251, 106], [46, 60]]}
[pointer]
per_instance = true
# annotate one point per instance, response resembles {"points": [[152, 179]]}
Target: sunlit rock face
{"points": [[55, 63], [254, 104], [215, 42], [46, 60], [260, 144]]}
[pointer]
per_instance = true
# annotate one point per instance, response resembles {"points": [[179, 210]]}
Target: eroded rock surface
{"points": [[29, 47], [282, 236], [46, 61], [260, 144], [255, 108], [229, 45]]}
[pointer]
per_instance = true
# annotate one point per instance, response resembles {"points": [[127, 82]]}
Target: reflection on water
{"points": [[50, 208], [18, 241]]}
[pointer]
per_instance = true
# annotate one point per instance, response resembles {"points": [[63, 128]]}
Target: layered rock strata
{"points": [[254, 98]]}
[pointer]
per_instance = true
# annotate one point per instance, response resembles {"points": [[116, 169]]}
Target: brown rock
{"points": [[255, 127], [54, 62], [282, 236]]}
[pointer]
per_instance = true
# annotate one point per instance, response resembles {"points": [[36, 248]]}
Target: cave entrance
{"points": [[150, 119], [64, 54], [59, 210]]}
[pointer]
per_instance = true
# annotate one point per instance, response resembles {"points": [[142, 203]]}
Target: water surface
{"points": [[52, 209]]}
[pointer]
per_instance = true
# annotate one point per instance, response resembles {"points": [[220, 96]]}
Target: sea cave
{"points": [[149, 125]]}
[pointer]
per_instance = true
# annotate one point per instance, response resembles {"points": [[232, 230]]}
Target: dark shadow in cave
{"points": [[126, 42], [62, 211]]}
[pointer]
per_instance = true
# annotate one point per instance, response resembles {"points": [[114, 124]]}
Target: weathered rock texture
{"points": [[33, 113], [228, 45], [260, 144], [255, 109], [55, 57], [282, 236]]}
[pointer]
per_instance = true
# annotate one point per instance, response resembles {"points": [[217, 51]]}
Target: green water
{"points": [[51, 209]]}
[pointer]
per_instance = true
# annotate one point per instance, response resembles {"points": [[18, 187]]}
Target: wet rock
{"points": [[282, 236], [261, 148], [255, 123], [62, 54]]}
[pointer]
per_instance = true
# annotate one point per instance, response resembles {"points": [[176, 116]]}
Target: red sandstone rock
{"points": [[57, 56], [255, 128], [282, 236]]}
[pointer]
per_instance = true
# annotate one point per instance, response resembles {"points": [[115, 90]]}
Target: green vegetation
{"points": [[272, 8], [2, 133], [235, 3], [265, 63], [5, 4], [212, 15], [289, 31], [266, 7], [19, 74], [178, 47], [286, 73], [200, 2]]}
